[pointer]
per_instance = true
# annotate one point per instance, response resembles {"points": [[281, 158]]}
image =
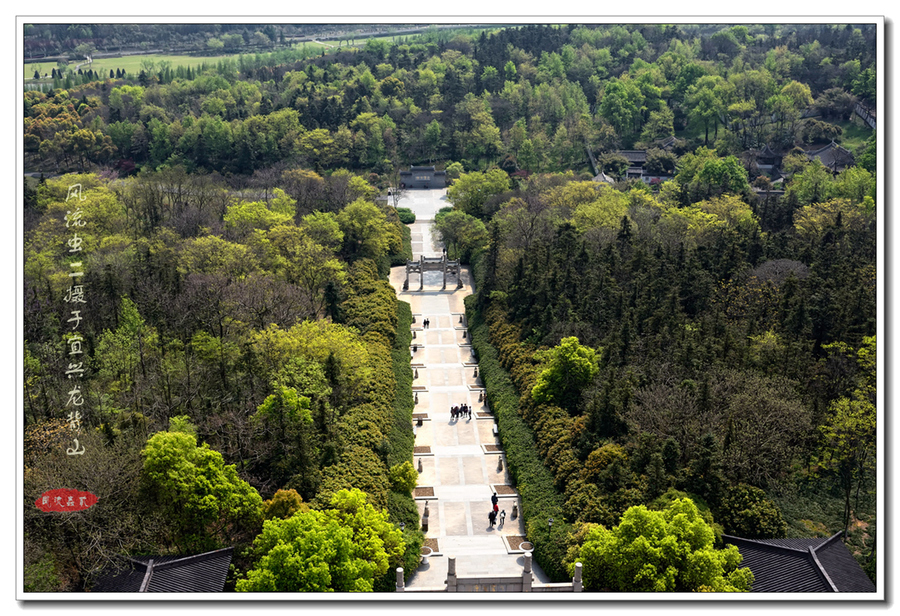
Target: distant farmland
{"points": [[133, 64]]}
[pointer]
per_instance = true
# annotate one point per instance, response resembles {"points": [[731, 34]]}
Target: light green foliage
{"points": [[855, 184], [470, 192], [206, 501], [403, 477], [569, 368], [182, 423], [213, 255], [464, 235], [323, 228], [315, 340], [811, 221], [282, 203], [732, 211], [851, 427], [244, 217], [308, 552], [704, 174], [454, 170], [126, 98], [659, 551], [341, 549], [122, 352], [286, 405], [367, 232], [302, 261], [811, 185], [100, 211], [604, 211]]}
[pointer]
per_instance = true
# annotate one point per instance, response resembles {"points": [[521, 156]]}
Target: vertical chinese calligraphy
{"points": [[74, 296]]}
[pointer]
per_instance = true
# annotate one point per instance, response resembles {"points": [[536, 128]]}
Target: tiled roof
{"points": [[634, 156], [768, 152], [832, 156], [801, 565], [198, 573]]}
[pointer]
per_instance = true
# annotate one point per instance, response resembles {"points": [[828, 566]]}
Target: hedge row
{"points": [[406, 254], [401, 506], [401, 436], [534, 481]]}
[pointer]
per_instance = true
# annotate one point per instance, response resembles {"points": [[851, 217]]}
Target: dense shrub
{"points": [[534, 482], [407, 216], [401, 433], [746, 512]]}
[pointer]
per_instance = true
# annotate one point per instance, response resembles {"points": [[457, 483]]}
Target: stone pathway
{"points": [[460, 459]]}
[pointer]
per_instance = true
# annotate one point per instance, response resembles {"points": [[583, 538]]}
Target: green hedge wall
{"points": [[401, 433], [401, 258], [402, 507], [534, 481]]}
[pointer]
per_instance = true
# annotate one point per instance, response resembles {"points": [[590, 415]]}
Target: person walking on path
{"points": [[494, 499], [492, 518], [502, 519]]}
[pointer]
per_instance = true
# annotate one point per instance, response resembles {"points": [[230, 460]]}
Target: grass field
{"points": [[855, 133], [133, 64]]}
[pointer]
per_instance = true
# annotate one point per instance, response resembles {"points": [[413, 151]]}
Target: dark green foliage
{"points": [[402, 508], [41, 576], [746, 512], [407, 216], [406, 255], [401, 434], [534, 482], [704, 474]]}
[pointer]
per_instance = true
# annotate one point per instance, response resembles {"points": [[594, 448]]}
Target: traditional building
{"points": [[198, 573], [423, 177], [801, 565], [832, 156]]}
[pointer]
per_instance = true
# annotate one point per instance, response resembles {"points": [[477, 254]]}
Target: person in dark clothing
{"points": [[492, 518], [494, 499]]}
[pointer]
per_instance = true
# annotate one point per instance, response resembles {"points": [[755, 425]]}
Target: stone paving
{"points": [[458, 467]]}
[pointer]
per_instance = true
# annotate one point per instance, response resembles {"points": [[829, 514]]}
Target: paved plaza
{"points": [[460, 458]]}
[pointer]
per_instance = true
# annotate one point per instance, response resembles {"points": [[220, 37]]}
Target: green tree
{"points": [[403, 477], [207, 504], [850, 430], [342, 549], [367, 232], [621, 105], [659, 551], [470, 192], [463, 235], [283, 505], [614, 164], [812, 185], [746, 512], [570, 367], [244, 217], [705, 105]]}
